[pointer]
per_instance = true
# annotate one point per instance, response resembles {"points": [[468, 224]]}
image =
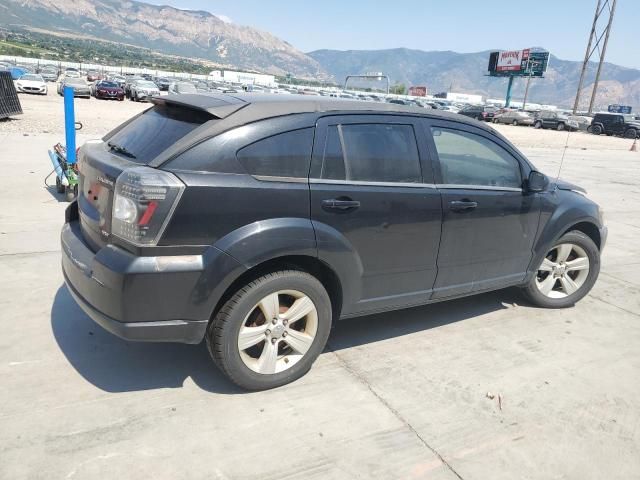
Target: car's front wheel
{"points": [[270, 331], [567, 272], [537, 125]]}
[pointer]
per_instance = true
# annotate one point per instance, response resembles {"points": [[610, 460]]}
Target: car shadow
{"points": [[116, 365], [60, 197]]}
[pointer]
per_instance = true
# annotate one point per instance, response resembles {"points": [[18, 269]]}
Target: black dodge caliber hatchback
{"points": [[255, 222]]}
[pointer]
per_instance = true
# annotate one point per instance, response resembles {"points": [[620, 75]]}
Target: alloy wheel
{"points": [[563, 271], [278, 332]]}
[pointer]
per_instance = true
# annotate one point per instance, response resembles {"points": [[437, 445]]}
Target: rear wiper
{"points": [[120, 149]]}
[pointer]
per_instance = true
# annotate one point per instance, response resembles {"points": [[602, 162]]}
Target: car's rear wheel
{"points": [[537, 125], [596, 130], [560, 127], [270, 331], [515, 123], [567, 272]]}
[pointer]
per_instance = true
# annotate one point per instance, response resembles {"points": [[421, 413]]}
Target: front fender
{"points": [[561, 211]]}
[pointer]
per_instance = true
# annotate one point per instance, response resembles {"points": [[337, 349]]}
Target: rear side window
{"points": [[371, 153], [284, 155], [470, 159], [156, 130]]}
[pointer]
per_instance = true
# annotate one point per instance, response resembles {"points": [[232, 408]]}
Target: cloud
{"points": [[224, 18]]}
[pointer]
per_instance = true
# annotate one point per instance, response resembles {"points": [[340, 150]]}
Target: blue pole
{"points": [[507, 101], [70, 125]]}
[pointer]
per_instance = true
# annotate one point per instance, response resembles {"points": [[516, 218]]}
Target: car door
{"points": [[489, 224], [372, 193]]}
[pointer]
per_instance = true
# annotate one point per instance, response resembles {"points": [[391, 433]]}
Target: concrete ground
{"points": [[484, 387]]}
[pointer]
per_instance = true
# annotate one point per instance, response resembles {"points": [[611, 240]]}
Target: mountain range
{"points": [[202, 35]]}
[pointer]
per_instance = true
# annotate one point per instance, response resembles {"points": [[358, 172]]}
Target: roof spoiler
{"points": [[218, 106]]}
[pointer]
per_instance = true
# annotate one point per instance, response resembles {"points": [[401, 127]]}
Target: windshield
{"points": [[108, 85], [75, 81], [146, 84], [156, 130], [35, 78]]}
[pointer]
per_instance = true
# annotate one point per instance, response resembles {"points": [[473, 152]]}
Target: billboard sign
{"points": [[626, 109], [523, 63], [418, 91], [512, 61]]}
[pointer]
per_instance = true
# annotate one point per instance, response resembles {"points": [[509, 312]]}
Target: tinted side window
{"points": [[470, 159], [371, 153], [284, 155]]}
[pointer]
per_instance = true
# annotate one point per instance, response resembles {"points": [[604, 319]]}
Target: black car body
{"points": [[479, 112], [184, 204], [554, 120], [615, 124], [163, 83]]}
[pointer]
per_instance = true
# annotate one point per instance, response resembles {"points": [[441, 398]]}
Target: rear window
{"points": [[156, 130]]}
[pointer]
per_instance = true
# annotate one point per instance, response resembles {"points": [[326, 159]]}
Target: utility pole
{"points": [[604, 9], [526, 92]]}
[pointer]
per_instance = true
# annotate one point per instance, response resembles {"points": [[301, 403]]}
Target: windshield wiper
{"points": [[120, 149]]}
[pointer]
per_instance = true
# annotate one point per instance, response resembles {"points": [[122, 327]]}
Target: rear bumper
{"points": [[156, 299]]}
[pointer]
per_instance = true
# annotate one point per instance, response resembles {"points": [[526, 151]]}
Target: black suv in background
{"points": [[615, 124], [257, 221], [479, 112], [555, 120]]}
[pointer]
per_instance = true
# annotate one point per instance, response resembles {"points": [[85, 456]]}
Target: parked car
{"points": [[72, 73], [129, 80], [49, 74], [119, 79], [583, 121], [93, 76], [163, 83], [107, 89], [514, 117], [625, 125], [479, 112], [31, 83], [142, 90], [80, 86], [554, 120], [182, 87], [166, 244]]}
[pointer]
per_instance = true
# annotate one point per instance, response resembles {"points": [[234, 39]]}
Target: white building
{"points": [[464, 98], [245, 78]]}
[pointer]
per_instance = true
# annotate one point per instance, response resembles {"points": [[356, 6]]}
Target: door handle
{"points": [[462, 205], [340, 204]]}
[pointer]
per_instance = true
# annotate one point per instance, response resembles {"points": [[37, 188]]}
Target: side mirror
{"points": [[537, 182]]}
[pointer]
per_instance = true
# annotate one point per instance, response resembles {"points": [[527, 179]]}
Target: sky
{"points": [[560, 26]]}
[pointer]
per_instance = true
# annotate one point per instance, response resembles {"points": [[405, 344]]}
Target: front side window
{"points": [[284, 155], [371, 153], [469, 159]]}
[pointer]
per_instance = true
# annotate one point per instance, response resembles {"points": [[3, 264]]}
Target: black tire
{"points": [[533, 294], [515, 123], [222, 332], [538, 124], [560, 127], [596, 130], [631, 133], [59, 185]]}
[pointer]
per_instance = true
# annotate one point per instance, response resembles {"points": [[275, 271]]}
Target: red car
{"points": [[108, 90]]}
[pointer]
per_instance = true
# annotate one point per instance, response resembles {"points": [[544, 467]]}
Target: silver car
{"points": [[514, 118], [80, 86]]}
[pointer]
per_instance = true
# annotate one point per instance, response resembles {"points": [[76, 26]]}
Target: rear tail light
{"points": [[143, 203]]}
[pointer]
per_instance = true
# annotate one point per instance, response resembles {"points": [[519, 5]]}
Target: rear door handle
{"points": [[462, 205], [340, 204]]}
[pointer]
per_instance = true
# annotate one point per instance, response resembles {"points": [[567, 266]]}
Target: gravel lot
{"points": [[401, 395]]}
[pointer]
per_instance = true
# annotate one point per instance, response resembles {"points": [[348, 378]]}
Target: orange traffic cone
{"points": [[634, 147]]}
